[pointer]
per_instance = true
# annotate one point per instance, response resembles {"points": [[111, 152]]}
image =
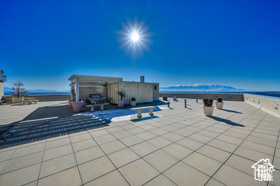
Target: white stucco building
{"points": [[107, 87]]}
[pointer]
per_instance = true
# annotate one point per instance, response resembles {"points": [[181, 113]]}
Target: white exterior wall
{"points": [[143, 92], [114, 88]]}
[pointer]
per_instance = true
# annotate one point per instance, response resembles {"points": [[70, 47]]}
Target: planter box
{"points": [[133, 103], [120, 103], [16, 99], [219, 105], [208, 110], [77, 106]]}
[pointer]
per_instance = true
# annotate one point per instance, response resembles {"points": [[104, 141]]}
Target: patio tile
{"points": [[23, 161], [160, 180], [146, 135], [276, 177], [83, 145], [231, 176], [56, 152], [80, 137], [223, 145], [229, 139], [95, 168], [161, 160], [251, 154], [136, 130], [32, 184], [214, 182], [105, 139], [159, 142], [2, 165], [6, 155], [143, 148], [123, 157], [183, 174], [111, 179], [189, 143], [203, 163], [138, 172], [112, 147], [67, 177], [57, 143], [172, 136], [276, 163], [56, 165], [241, 164], [177, 151], [258, 147], [98, 133], [88, 154], [29, 150], [200, 138], [122, 134], [21, 176], [131, 140], [158, 131], [214, 153]]}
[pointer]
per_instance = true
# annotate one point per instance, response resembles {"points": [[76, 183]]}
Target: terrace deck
{"points": [[177, 146]]}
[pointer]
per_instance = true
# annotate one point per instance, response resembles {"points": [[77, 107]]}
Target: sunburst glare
{"points": [[134, 37]]}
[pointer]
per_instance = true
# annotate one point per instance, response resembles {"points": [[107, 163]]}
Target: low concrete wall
{"points": [[50, 97], [268, 104], [214, 96]]}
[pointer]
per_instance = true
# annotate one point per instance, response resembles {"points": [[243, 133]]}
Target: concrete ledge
{"points": [[214, 96], [268, 104]]}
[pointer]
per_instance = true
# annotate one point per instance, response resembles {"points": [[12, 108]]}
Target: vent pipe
{"points": [[142, 79]]}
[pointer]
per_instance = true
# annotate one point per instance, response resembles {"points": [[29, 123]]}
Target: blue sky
{"points": [[234, 43]]}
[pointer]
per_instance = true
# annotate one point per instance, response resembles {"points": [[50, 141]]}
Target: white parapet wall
{"points": [[270, 105]]}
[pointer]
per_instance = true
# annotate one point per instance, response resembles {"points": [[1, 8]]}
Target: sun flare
{"points": [[134, 37]]}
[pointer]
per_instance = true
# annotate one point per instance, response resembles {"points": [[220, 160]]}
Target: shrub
{"points": [[18, 89], [122, 94], [208, 102], [133, 99], [220, 100]]}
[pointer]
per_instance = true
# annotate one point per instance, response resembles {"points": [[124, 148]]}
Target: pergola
{"points": [[78, 81]]}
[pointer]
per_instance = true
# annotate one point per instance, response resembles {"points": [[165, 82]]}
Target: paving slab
{"points": [[52, 145]]}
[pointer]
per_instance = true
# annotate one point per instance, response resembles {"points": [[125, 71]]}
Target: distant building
{"points": [[2, 79], [83, 86]]}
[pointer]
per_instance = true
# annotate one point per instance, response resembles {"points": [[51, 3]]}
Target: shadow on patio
{"points": [[226, 121], [49, 122]]}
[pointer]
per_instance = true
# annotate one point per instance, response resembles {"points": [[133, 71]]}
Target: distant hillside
{"points": [[218, 88], [7, 91]]}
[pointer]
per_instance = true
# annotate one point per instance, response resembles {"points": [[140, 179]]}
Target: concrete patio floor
{"points": [[179, 146]]}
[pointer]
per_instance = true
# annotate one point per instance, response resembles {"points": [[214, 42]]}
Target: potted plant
{"points": [[18, 92], [219, 103], [77, 106], [73, 95], [121, 101], [207, 107], [133, 102]]}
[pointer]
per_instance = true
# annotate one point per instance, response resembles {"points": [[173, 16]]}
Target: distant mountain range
{"points": [[200, 87], [7, 91]]}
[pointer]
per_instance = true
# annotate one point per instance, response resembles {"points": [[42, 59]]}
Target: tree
{"points": [[18, 89]]}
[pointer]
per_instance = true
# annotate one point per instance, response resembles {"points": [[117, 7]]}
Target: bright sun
{"points": [[135, 37]]}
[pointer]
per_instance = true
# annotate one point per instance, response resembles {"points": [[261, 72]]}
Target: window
{"points": [[155, 87]]}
